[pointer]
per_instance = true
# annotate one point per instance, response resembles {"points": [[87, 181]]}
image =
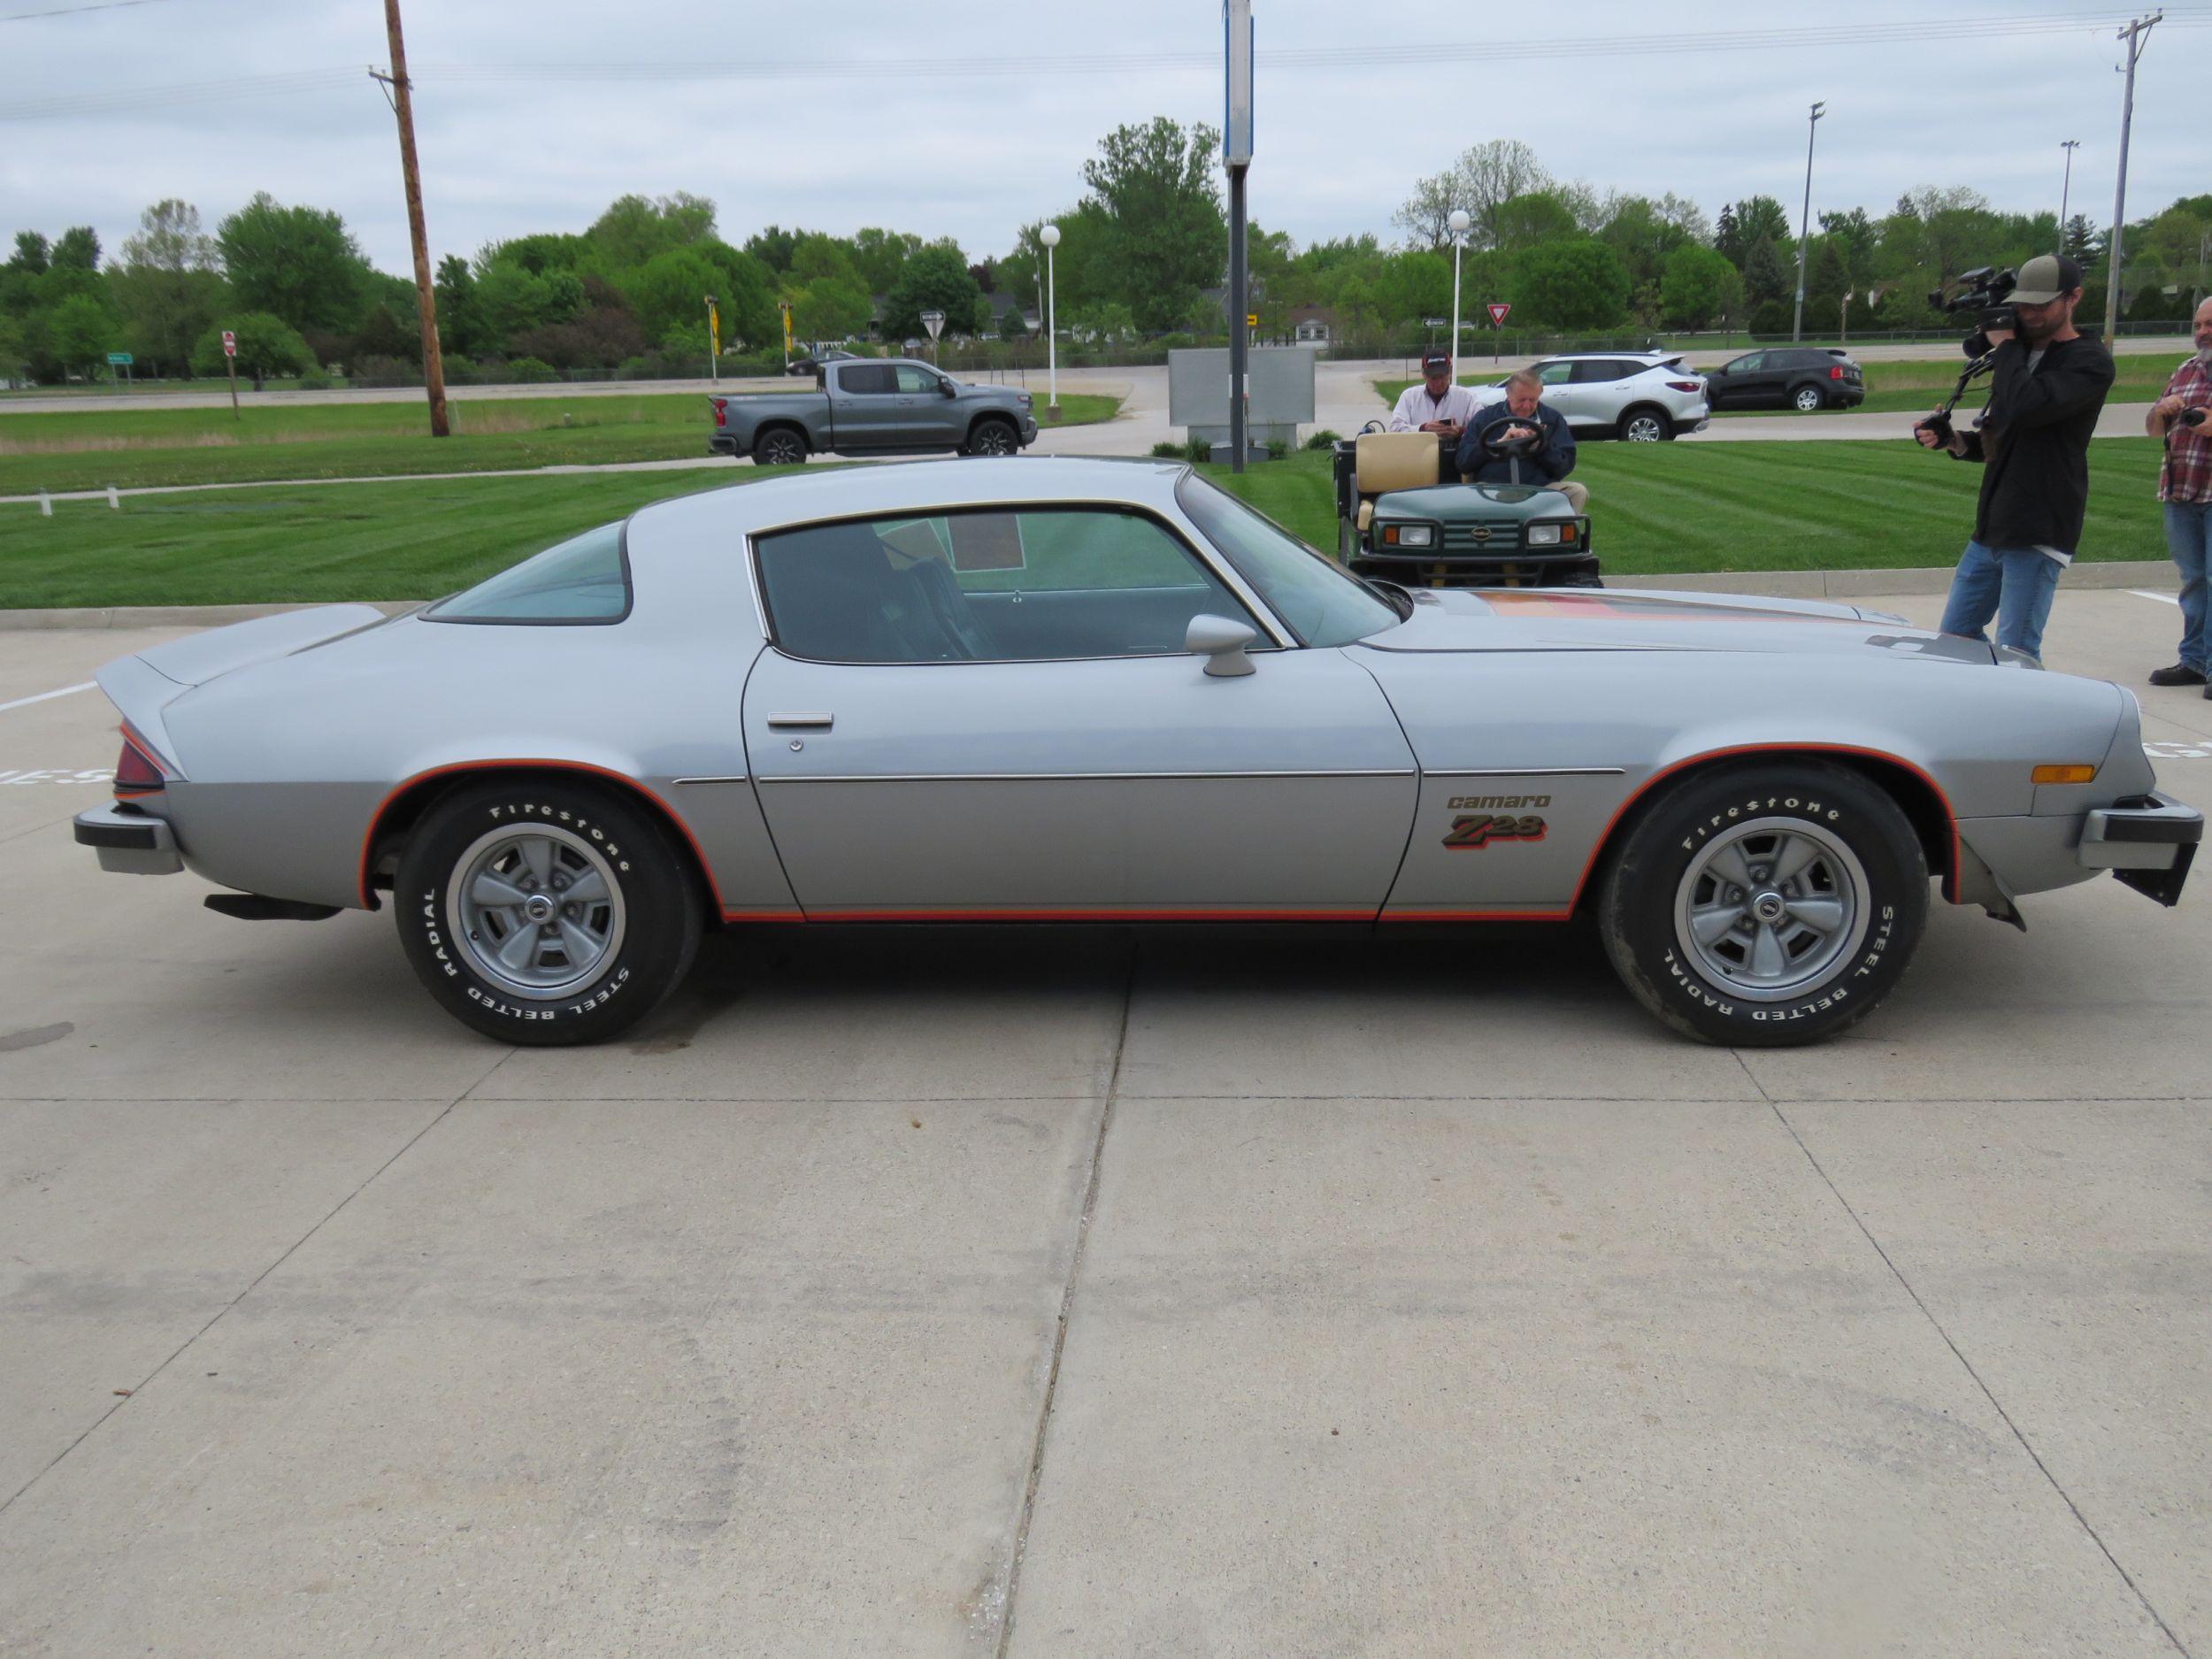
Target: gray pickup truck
{"points": [[874, 406]]}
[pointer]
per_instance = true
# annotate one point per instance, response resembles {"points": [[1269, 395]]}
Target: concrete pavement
{"points": [[1066, 1292]]}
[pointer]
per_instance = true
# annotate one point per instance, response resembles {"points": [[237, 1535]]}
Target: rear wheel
{"points": [[1646, 424], [1809, 398], [546, 911], [992, 437], [1765, 905], [779, 446]]}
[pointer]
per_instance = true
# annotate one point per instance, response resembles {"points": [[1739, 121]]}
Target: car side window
{"points": [[1554, 374], [989, 585], [1601, 371], [584, 580], [866, 380], [917, 380], [1748, 366]]}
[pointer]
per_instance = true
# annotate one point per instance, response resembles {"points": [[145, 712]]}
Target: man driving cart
{"points": [[1523, 443]]}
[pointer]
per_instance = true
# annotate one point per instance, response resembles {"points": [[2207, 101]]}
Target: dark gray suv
{"points": [[1804, 378]]}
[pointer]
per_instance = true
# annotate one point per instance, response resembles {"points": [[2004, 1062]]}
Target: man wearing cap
{"points": [[2032, 441], [2185, 484], [1436, 404]]}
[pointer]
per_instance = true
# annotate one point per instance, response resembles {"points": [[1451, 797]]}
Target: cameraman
{"points": [[2032, 441], [2185, 484]]}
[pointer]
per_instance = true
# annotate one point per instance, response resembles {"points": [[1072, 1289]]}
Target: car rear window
{"points": [[585, 579]]}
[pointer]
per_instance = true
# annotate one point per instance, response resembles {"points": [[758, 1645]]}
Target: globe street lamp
{"points": [[1050, 236], [1459, 222]]}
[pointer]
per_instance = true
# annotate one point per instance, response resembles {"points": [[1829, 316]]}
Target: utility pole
{"points": [[2133, 35], [2066, 190], [1236, 155], [1804, 225], [425, 300]]}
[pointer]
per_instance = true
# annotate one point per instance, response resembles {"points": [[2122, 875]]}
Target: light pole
{"points": [[2133, 35], [2066, 190], [1050, 236], [1459, 221], [1804, 224]]}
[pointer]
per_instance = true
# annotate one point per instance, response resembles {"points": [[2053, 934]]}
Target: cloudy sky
{"points": [[972, 116]]}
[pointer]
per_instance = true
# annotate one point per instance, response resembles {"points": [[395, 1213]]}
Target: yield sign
{"points": [[1497, 314]]}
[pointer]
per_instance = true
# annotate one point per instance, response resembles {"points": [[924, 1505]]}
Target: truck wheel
{"points": [[1809, 398], [992, 437], [1646, 424], [1765, 905], [779, 446], [546, 911]]}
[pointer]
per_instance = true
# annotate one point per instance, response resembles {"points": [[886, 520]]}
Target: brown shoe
{"points": [[2179, 674]]}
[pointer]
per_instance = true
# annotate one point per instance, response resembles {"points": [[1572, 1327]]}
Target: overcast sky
{"points": [[988, 126]]}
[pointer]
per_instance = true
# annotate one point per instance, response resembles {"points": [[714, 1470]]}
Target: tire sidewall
{"points": [[762, 444], [990, 425], [660, 936], [1797, 400], [1637, 911], [1663, 429]]}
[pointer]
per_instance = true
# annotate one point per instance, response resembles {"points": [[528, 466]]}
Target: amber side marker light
{"points": [[2064, 775]]}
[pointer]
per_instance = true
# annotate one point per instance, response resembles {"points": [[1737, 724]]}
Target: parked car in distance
{"points": [[1803, 378], [812, 361], [874, 406], [1640, 396]]}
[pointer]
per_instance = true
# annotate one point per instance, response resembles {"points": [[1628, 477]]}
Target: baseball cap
{"points": [[2043, 278], [1434, 361]]}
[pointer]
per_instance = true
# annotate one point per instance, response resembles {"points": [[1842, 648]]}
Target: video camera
{"points": [[1981, 291]]}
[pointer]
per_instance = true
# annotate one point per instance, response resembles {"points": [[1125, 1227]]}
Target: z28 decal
{"points": [[1479, 829]]}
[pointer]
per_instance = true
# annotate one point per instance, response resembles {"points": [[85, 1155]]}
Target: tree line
{"points": [[1142, 254]]}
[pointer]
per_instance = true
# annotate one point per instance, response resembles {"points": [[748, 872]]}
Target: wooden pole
{"points": [[425, 299]]}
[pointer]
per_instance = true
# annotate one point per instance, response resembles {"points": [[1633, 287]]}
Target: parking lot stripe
{"points": [[2164, 599], [46, 695]]}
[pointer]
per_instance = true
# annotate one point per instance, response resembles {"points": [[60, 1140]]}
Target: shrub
{"points": [[1167, 449], [1322, 439], [314, 379], [531, 372], [1276, 448], [459, 370], [1198, 449], [383, 372]]}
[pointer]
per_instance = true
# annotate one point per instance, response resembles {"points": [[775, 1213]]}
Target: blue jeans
{"points": [[2189, 536], [2015, 586]]}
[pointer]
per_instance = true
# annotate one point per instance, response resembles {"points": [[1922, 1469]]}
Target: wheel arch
{"points": [[1644, 406], [781, 422], [1917, 795], [411, 800], [1004, 418]]}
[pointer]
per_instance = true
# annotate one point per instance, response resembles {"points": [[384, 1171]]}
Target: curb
{"points": [[1933, 579]]}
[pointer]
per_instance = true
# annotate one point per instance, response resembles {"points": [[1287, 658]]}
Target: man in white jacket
{"points": [[1436, 404]]}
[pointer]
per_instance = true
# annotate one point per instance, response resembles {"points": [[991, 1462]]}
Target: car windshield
{"points": [[1322, 605]]}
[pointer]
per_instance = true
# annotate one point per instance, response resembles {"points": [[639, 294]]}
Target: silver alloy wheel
{"points": [[536, 910], [1644, 428], [781, 448], [1771, 907], [1809, 398], [993, 437]]}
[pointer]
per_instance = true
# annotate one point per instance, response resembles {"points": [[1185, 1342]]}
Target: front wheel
{"points": [[992, 437], [1765, 905], [1645, 426], [546, 911], [1808, 399]]}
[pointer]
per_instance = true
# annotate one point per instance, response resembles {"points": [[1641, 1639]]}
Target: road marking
{"points": [[2164, 599], [57, 774], [2162, 750], [89, 685]]}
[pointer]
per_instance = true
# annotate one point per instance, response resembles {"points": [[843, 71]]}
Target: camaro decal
{"points": [[1479, 829]]}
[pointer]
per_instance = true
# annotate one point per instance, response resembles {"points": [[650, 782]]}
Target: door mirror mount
{"points": [[1221, 643]]}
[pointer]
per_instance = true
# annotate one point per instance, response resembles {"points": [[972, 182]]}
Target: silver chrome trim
{"points": [[1534, 772], [818, 718], [679, 781], [1061, 777]]}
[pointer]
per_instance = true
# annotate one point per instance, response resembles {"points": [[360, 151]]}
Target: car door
{"points": [[926, 414], [1559, 390], [1738, 381], [990, 713], [863, 405], [1601, 387]]}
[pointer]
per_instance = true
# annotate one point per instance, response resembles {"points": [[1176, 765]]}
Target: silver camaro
{"points": [[1059, 690]]}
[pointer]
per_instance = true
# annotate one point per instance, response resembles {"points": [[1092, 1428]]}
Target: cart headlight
{"points": [[1543, 535], [1412, 535]]}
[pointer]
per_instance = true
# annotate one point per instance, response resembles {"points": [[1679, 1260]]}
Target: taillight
{"points": [[1685, 386], [721, 411], [139, 769], [1836, 374]]}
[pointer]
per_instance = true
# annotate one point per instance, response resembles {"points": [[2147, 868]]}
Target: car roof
{"points": [[920, 487], [1609, 356]]}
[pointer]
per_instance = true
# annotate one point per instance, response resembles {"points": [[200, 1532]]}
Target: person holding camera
{"points": [[2033, 443], [2185, 484]]}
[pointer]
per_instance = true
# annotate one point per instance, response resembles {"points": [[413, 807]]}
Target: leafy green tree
{"points": [[830, 309], [1763, 278], [669, 296], [31, 254], [383, 335], [934, 279], [1643, 233], [83, 333], [775, 246], [1157, 185], [1698, 288], [1525, 220], [880, 254], [815, 256], [168, 288], [1414, 285], [539, 253], [460, 328], [1478, 182], [1104, 321], [1011, 326], [14, 349], [77, 249], [299, 263], [747, 291], [2082, 243], [266, 345], [635, 229], [1760, 216], [1571, 285]]}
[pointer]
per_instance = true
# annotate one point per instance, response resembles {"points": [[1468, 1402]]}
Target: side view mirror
{"points": [[948, 389], [1222, 643]]}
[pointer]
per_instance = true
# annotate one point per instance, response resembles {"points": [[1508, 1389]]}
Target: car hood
{"points": [[1625, 619]]}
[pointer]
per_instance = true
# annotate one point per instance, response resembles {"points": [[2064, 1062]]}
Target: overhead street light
{"points": [[1050, 236], [1459, 221], [1804, 224], [2066, 187]]}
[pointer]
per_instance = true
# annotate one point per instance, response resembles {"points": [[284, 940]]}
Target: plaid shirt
{"points": [[2187, 474]]}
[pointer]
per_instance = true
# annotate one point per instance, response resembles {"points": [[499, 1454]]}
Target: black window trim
{"points": [[629, 595]]}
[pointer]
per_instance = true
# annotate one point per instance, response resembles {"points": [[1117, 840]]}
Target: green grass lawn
{"points": [[130, 446], [1655, 509]]}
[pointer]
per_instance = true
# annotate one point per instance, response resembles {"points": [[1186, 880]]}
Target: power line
{"points": [[71, 12]]}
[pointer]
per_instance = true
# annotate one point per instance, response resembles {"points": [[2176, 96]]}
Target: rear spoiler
{"points": [[142, 686]]}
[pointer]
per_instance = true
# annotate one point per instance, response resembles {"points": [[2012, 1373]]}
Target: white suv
{"points": [[1642, 396]]}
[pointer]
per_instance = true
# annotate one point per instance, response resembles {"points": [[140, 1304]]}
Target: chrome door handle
{"points": [[820, 721]]}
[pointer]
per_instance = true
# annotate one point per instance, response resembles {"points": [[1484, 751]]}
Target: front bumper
{"points": [[128, 841], [1507, 567], [2148, 841]]}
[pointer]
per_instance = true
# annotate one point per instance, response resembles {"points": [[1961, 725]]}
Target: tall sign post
{"points": [[1499, 311], [400, 91], [1236, 155], [714, 342], [230, 362], [934, 321]]}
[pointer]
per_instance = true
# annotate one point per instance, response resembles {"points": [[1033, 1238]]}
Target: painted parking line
{"points": [[2161, 750], [2164, 599], [47, 696]]}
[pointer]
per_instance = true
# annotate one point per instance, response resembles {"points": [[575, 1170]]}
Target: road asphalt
{"points": [[1096, 1293]]}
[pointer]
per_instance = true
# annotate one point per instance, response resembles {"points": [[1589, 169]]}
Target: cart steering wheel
{"points": [[1513, 448]]}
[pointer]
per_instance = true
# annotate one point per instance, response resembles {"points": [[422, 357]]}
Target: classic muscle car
{"points": [[1041, 689]]}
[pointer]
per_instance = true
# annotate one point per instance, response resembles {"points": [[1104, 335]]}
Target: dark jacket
{"points": [[2034, 442], [1547, 465]]}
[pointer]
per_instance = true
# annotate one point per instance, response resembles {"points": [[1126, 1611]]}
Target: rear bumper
{"points": [[2148, 841], [721, 443], [128, 843]]}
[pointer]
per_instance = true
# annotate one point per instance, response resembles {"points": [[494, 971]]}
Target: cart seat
{"points": [[1385, 461]]}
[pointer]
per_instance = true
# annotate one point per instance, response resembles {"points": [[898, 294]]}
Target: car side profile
{"points": [[1803, 378], [1637, 396], [1097, 691], [871, 406]]}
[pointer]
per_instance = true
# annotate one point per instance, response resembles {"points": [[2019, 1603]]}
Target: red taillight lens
{"points": [[721, 411], [138, 770], [1836, 374], [1685, 386]]}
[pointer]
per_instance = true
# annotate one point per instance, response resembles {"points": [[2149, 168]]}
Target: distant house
{"points": [[1312, 325]]}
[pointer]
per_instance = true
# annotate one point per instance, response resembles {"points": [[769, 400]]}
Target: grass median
{"points": [[1656, 509], [135, 447]]}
